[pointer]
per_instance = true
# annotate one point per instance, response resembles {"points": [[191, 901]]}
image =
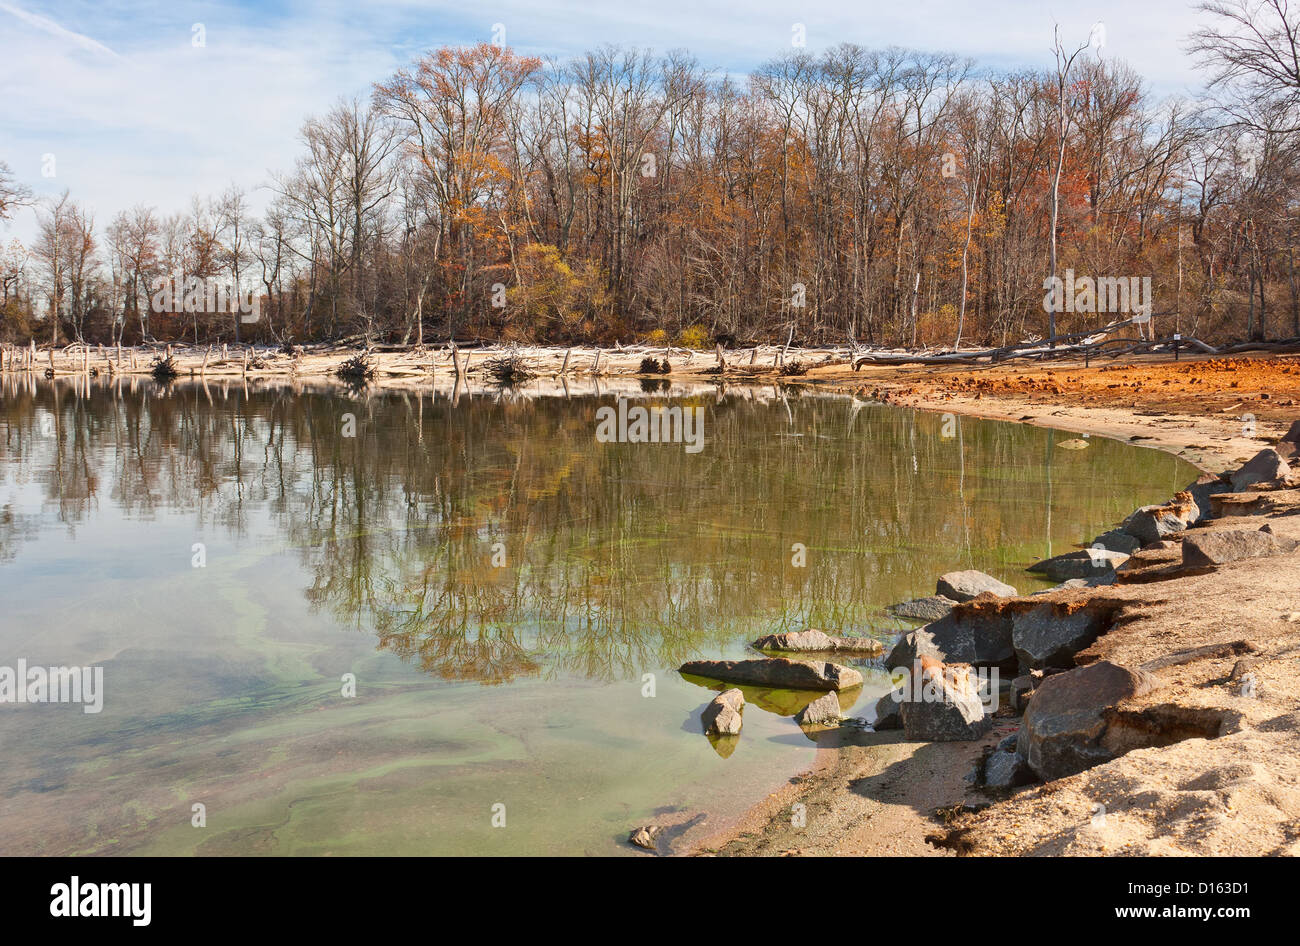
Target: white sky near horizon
{"points": [[134, 113]]}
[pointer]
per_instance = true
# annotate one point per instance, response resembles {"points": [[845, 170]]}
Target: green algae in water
{"points": [[506, 592]]}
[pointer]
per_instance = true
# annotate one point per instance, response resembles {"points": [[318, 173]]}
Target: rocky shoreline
{"points": [[1151, 707]]}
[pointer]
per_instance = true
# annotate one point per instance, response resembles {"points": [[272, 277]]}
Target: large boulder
{"points": [[924, 609], [823, 711], [1084, 563], [722, 717], [1219, 548], [1117, 540], [1153, 523], [1064, 729], [943, 705], [777, 672], [1050, 635], [812, 640], [964, 585], [1263, 467], [977, 633]]}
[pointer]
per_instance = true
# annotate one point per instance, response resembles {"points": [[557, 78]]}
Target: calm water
{"points": [[505, 590]]}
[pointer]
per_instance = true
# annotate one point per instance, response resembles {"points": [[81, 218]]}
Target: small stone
{"points": [[645, 836]]}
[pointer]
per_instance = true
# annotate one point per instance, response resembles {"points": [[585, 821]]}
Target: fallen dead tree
{"points": [[1087, 344]]}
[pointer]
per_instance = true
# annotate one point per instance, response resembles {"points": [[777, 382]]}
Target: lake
{"points": [[426, 623]]}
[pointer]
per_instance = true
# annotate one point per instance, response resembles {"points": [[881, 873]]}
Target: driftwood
{"points": [[1087, 344]]}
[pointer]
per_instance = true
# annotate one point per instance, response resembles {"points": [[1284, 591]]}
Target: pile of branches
{"points": [[164, 369], [793, 369], [650, 366], [507, 369], [356, 370]]}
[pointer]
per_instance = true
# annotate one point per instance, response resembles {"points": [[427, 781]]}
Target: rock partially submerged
{"points": [[1065, 728], [722, 717], [812, 640], [924, 609], [1117, 540], [1084, 563], [777, 672], [823, 711], [1219, 548], [968, 584], [645, 836]]}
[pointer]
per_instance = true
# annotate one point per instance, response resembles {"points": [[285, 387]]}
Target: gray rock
{"points": [[1263, 467], [944, 707], [888, 713], [964, 585], [1293, 435], [1047, 636], [823, 711], [1219, 548], [1084, 563], [924, 609], [1107, 578], [1006, 770], [1021, 689], [722, 717], [1153, 523], [975, 635], [813, 640], [1064, 729], [777, 672], [1117, 540], [912, 646], [1008, 743], [1205, 486]]}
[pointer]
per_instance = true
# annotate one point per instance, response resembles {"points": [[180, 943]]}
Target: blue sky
{"points": [[133, 112]]}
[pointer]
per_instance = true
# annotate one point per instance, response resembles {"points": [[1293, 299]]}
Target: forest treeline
{"points": [[881, 196]]}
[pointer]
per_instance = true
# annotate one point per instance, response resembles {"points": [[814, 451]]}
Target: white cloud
{"points": [[155, 120]]}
